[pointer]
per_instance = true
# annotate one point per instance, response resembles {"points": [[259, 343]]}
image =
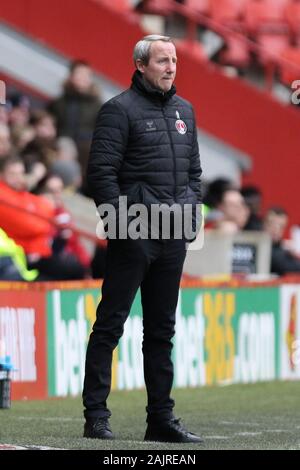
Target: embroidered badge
{"points": [[180, 124]]}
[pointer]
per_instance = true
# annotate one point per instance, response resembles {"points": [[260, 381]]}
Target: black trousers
{"points": [[156, 267]]}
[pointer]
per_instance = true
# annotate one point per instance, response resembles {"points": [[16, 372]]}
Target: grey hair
{"points": [[141, 50]]}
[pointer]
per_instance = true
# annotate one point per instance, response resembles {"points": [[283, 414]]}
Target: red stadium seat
{"points": [[201, 6], [236, 53], [225, 11], [265, 15], [230, 14], [274, 43], [156, 7], [191, 47], [287, 73], [120, 5], [292, 14]]}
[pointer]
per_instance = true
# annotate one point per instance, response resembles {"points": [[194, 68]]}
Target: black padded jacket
{"points": [[142, 149]]}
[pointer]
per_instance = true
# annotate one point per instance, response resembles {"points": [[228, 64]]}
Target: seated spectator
{"points": [[69, 172], [66, 164], [283, 261], [66, 149], [29, 220], [13, 262], [232, 212], [213, 197], [66, 242], [21, 136], [40, 153], [253, 198], [26, 218], [43, 147], [3, 114], [18, 109], [5, 141], [215, 190]]}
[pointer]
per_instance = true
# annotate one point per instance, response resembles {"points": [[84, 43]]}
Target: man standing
{"points": [[145, 148]]}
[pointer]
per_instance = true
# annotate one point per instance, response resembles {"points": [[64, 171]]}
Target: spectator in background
{"points": [[13, 262], [234, 212], [213, 197], [253, 199], [5, 141], [229, 212], [215, 191], [76, 109], [25, 218], [282, 259], [19, 109], [66, 164], [21, 136], [66, 149], [40, 153], [69, 172], [3, 114], [30, 221], [43, 147], [66, 242]]}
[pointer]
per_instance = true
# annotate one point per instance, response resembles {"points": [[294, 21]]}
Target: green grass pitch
{"points": [[256, 416]]}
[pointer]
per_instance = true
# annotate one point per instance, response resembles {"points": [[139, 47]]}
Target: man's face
{"points": [[275, 225], [45, 128], [161, 69], [5, 142], [81, 78], [14, 176], [234, 208], [55, 187]]}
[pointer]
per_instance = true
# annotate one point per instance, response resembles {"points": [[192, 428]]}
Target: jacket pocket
{"points": [[190, 195]]}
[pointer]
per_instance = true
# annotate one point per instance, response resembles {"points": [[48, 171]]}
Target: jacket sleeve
{"points": [[195, 167], [283, 262], [107, 153]]}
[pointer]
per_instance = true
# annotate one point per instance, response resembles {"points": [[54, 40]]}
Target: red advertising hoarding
{"points": [[23, 338]]}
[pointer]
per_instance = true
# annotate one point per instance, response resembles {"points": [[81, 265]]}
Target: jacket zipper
{"points": [[173, 152]]}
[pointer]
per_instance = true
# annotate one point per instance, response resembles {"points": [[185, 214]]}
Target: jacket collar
{"points": [[141, 86]]}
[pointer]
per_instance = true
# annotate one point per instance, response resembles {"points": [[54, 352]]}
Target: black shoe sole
{"points": [[94, 436], [170, 440]]}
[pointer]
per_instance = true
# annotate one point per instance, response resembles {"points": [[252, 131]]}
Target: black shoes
{"points": [[170, 431], [97, 428]]}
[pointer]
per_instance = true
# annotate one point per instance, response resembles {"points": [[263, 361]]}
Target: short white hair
{"points": [[141, 50]]}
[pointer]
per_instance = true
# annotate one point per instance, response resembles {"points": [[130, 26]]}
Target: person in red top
{"points": [[66, 240], [29, 220], [25, 217]]}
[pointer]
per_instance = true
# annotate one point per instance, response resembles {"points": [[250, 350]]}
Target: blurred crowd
{"points": [[231, 209], [43, 155], [43, 152]]}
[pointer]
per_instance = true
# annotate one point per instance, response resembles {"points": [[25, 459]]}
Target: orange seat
{"points": [[288, 74]]}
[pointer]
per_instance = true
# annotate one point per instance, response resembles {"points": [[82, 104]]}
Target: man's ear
{"points": [[140, 66]]}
